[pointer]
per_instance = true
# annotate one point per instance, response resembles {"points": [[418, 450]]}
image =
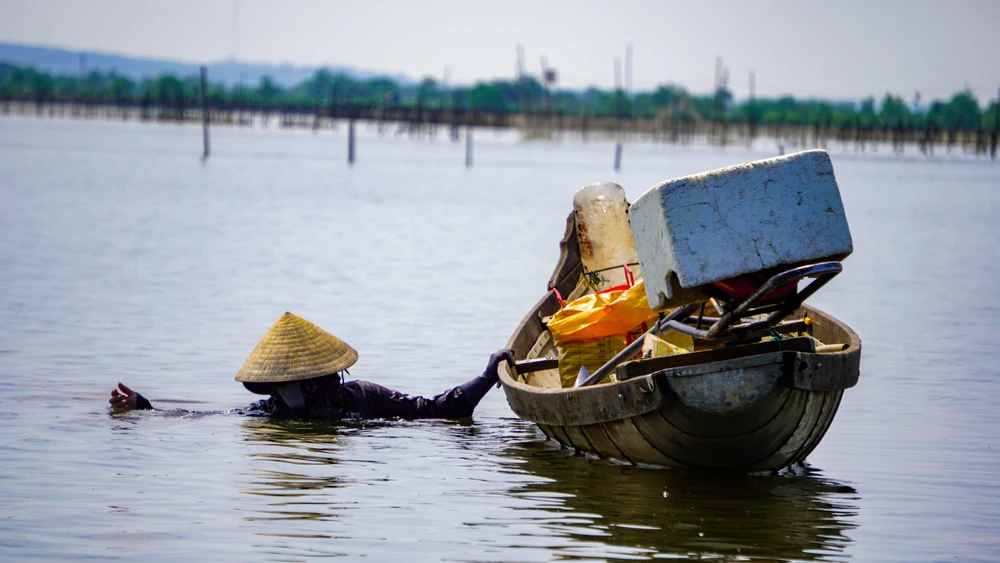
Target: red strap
{"points": [[562, 303]]}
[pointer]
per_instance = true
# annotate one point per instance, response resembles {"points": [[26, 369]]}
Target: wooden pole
{"points": [[520, 80], [468, 147], [204, 112], [752, 118], [715, 98], [628, 82], [619, 92], [628, 71], [546, 98], [996, 129], [350, 141]]}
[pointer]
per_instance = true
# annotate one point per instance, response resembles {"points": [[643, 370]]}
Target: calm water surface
{"points": [[123, 257]]}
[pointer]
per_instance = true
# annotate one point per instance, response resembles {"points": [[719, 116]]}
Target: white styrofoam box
{"points": [[732, 221]]}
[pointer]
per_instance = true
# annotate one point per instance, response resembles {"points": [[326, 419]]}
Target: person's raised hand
{"points": [[495, 359], [125, 400]]}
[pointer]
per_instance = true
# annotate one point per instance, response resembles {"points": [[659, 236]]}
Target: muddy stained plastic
{"points": [[604, 233]]}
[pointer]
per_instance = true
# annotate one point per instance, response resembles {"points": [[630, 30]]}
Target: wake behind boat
{"points": [[731, 371]]}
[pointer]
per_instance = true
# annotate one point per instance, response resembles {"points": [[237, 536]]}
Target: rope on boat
{"points": [[777, 336], [594, 277]]}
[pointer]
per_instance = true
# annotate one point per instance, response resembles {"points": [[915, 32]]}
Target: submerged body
{"points": [[325, 400], [300, 367]]}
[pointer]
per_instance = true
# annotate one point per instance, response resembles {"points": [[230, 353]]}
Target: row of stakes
{"points": [[351, 153]]}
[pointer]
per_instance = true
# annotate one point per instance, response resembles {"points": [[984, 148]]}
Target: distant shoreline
{"points": [[457, 125]]}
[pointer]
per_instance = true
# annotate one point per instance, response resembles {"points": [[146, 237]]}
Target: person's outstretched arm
{"points": [[370, 400], [125, 399]]}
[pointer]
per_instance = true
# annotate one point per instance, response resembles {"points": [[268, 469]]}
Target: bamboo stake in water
{"points": [[204, 112], [350, 141], [619, 92], [996, 130], [468, 147]]}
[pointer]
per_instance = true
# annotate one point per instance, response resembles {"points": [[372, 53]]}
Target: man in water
{"points": [[300, 367]]}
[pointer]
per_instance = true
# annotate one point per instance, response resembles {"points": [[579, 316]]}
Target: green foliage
{"points": [[668, 101], [488, 97], [893, 110], [121, 88], [991, 117], [961, 113], [668, 95], [267, 91]]}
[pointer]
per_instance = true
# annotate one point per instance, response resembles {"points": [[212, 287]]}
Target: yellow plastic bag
{"points": [[601, 315]]}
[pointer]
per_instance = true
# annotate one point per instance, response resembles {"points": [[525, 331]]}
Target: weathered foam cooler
{"points": [[721, 224]]}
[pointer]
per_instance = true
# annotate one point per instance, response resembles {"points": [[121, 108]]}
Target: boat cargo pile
{"points": [[674, 330]]}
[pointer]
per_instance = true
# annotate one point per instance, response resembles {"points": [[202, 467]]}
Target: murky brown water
{"points": [[125, 258]]}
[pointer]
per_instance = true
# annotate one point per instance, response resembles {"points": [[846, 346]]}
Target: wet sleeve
{"points": [[364, 399], [264, 407], [142, 404]]}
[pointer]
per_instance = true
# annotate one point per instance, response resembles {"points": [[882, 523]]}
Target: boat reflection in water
{"points": [[794, 516], [499, 490]]}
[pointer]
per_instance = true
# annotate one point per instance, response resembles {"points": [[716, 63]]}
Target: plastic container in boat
{"points": [[602, 228]]}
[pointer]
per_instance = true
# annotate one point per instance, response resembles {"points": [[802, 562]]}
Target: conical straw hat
{"points": [[295, 349]]}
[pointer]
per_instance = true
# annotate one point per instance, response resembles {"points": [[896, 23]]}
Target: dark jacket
{"points": [[364, 399]]}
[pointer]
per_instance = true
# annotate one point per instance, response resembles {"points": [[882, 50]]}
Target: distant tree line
{"points": [[669, 102]]}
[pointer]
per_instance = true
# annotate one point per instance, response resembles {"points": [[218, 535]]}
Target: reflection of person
{"points": [[300, 366]]}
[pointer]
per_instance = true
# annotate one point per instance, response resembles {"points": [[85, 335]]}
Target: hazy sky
{"points": [[842, 49]]}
